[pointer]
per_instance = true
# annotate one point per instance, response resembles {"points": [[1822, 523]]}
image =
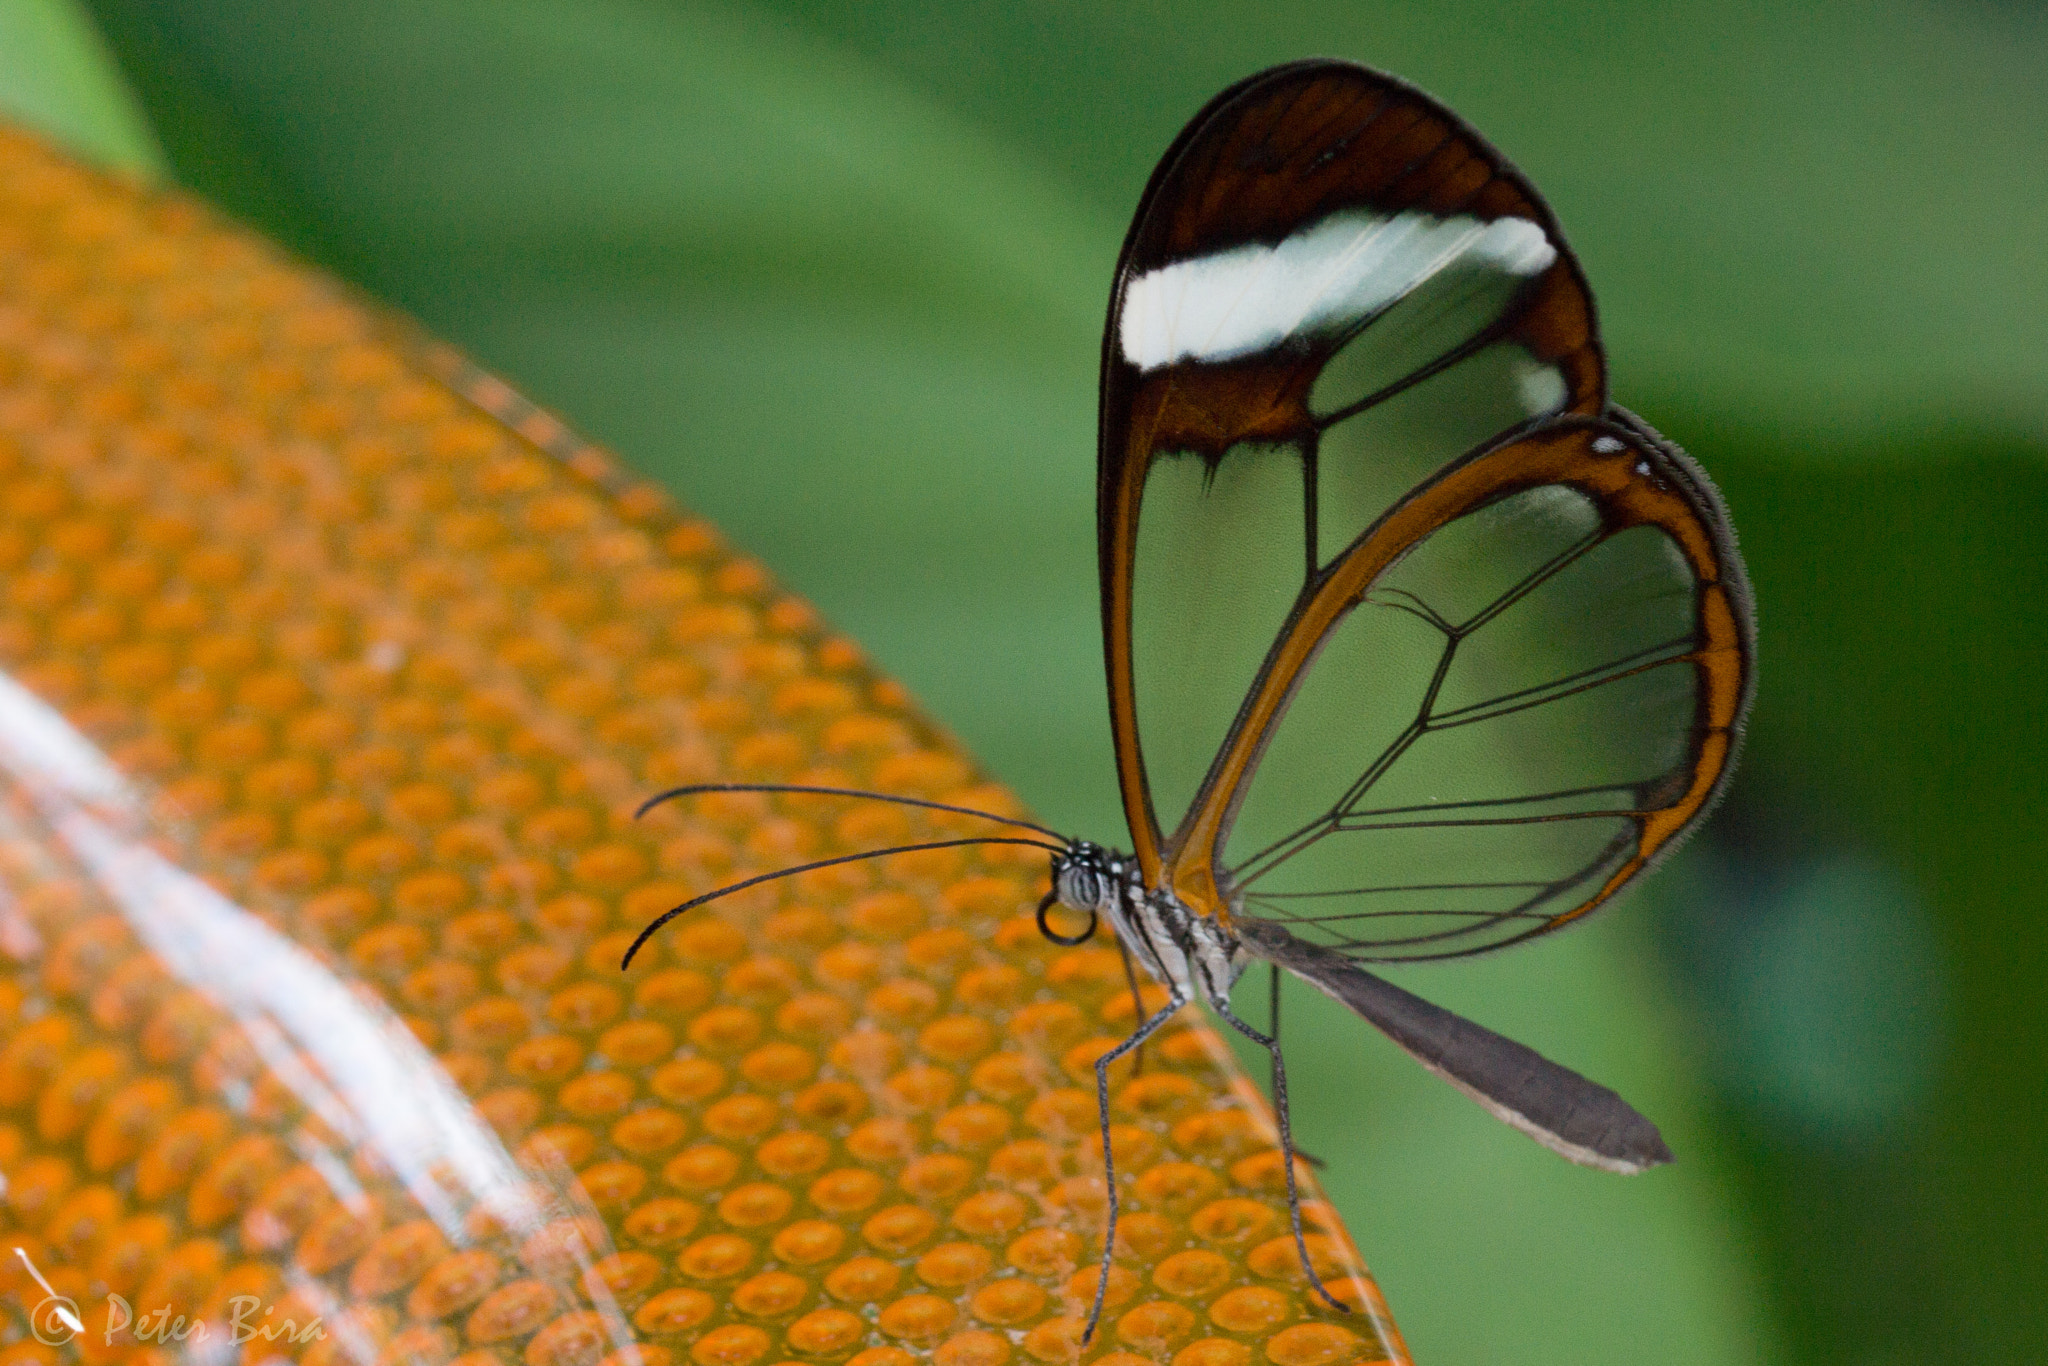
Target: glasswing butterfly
{"points": [[1422, 645]]}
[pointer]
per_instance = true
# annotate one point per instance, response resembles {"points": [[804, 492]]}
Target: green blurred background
{"points": [[835, 270]]}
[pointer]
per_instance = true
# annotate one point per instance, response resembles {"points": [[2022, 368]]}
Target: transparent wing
{"points": [[1499, 706], [1333, 290]]}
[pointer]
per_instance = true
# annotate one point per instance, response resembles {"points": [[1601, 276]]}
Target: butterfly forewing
{"points": [[1332, 291]]}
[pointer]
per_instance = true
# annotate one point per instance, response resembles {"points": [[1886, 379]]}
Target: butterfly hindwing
{"points": [[1498, 706]]}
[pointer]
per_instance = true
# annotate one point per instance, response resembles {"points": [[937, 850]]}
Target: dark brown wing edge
{"points": [[1576, 1118]]}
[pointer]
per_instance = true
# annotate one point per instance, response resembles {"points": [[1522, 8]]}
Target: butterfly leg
{"points": [[1279, 1078], [1271, 1043], [1102, 1065], [1137, 999]]}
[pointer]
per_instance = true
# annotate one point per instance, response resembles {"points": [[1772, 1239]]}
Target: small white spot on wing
{"points": [[1540, 387]]}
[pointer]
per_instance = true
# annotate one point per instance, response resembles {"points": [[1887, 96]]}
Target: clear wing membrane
{"points": [[1219, 567]]}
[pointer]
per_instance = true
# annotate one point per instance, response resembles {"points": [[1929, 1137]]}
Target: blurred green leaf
{"points": [[56, 75]]}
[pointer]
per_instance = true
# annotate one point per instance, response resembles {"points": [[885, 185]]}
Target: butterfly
{"points": [[1418, 646]]}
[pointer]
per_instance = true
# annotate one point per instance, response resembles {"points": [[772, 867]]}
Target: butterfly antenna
{"points": [[756, 881], [695, 788]]}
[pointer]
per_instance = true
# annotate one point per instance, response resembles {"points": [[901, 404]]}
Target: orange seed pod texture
{"points": [[333, 673]]}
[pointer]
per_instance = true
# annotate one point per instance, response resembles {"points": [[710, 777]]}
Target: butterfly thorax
{"points": [[1194, 956]]}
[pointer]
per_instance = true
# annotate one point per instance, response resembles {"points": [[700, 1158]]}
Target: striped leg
{"points": [[1102, 1066], [1271, 1043]]}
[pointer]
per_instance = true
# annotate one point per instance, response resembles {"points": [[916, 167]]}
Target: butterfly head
{"points": [[1086, 879], [1085, 876]]}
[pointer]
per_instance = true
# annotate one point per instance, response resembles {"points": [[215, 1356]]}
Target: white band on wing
{"points": [[1328, 277]]}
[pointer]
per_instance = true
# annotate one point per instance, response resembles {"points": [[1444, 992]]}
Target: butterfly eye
{"points": [[1081, 887]]}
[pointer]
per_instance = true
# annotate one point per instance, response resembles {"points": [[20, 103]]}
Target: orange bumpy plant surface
{"points": [[332, 676]]}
